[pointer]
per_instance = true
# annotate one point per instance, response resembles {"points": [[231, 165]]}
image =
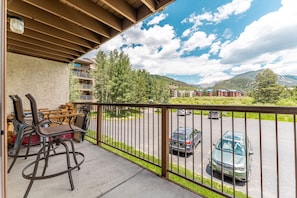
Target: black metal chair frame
{"points": [[53, 134], [23, 129]]}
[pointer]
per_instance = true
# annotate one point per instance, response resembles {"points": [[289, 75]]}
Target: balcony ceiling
{"points": [[64, 30]]}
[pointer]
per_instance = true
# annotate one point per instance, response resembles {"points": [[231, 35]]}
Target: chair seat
{"points": [[60, 130]]}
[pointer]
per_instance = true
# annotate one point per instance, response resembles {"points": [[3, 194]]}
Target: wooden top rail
{"points": [[64, 115]]}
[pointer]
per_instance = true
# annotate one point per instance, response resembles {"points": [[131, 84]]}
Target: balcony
{"points": [[85, 86], [83, 75], [86, 97], [143, 132]]}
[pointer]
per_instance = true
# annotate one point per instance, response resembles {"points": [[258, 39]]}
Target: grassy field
{"points": [[238, 101], [248, 101]]}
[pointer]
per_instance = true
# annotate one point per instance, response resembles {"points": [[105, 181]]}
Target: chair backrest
{"points": [[18, 108], [82, 121], [34, 109]]}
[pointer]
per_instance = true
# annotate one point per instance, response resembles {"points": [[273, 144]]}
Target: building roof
{"points": [[64, 30]]}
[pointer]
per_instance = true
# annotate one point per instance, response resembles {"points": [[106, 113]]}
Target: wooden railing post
{"points": [[99, 124], [165, 142]]}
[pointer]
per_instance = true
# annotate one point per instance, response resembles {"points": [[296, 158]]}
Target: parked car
{"points": [[183, 112], [214, 115], [184, 140], [222, 156]]}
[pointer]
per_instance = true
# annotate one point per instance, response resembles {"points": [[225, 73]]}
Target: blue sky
{"points": [[203, 41]]}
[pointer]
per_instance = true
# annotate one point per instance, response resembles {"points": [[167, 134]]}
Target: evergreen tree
{"points": [[121, 76], [266, 89], [117, 82], [140, 86], [101, 76]]}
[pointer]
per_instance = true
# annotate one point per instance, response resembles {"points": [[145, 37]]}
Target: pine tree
{"points": [[266, 89]]}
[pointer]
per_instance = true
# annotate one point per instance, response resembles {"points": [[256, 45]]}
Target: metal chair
{"points": [[54, 135], [23, 128]]}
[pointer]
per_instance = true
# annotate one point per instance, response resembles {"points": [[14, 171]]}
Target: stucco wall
{"points": [[46, 80]]}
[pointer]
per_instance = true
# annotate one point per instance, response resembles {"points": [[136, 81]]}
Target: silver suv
{"points": [[237, 145], [184, 140]]}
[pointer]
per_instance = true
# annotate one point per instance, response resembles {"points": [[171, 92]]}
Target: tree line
{"points": [[117, 82]]}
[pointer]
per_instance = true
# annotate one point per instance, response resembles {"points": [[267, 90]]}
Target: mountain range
{"points": [[239, 82], [244, 81]]}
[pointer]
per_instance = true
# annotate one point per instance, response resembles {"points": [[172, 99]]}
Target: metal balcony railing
{"points": [[82, 74], [266, 165], [86, 86], [86, 97]]}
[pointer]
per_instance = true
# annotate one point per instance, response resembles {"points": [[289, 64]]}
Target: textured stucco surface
{"points": [[46, 80]]}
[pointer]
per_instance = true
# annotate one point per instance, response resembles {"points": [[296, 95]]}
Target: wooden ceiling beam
{"points": [[47, 38], [92, 9], [34, 53], [122, 8], [32, 46], [36, 14], [28, 40], [150, 4], [59, 9], [48, 30]]}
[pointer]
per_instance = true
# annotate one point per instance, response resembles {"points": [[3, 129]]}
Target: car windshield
{"points": [[179, 136], [226, 146]]}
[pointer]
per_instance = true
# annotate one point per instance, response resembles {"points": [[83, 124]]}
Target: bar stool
{"points": [[53, 134]]}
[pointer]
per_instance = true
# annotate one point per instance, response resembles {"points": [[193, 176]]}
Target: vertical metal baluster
{"points": [[233, 156], [153, 125], [295, 152], [148, 134], [185, 153], [246, 157], [277, 157], [193, 161], [210, 142], [222, 157], [261, 156], [171, 152], [201, 146], [158, 137], [177, 146]]}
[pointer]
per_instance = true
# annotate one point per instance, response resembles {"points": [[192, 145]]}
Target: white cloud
{"points": [[198, 40], [223, 12], [156, 20], [215, 47], [272, 37], [214, 77], [236, 7], [245, 68], [227, 33]]}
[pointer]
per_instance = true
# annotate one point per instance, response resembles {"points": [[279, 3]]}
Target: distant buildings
{"points": [[206, 92], [229, 93]]}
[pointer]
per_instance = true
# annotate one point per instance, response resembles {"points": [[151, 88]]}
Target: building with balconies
{"points": [[81, 69]]}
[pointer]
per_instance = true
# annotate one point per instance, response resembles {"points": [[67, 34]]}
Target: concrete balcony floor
{"points": [[103, 174]]}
